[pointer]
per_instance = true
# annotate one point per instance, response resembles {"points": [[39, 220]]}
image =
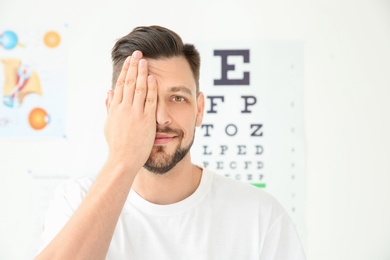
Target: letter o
{"points": [[234, 129]]}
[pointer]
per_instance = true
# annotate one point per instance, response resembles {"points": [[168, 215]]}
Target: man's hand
{"points": [[130, 131], [131, 123]]}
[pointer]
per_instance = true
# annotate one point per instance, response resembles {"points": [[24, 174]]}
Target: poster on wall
{"points": [[32, 82], [253, 125]]}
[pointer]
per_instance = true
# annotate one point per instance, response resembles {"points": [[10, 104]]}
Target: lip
{"points": [[162, 138]]}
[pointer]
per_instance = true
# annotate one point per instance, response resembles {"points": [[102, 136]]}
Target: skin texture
{"points": [[151, 96]]}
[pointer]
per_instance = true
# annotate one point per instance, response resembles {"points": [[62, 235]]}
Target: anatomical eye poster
{"points": [[32, 82], [253, 127]]}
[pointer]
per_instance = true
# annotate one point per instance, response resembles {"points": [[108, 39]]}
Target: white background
{"points": [[347, 93]]}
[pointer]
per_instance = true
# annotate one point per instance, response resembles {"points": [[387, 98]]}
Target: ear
{"points": [[110, 94], [200, 107]]}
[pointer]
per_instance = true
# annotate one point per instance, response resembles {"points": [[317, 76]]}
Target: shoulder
{"points": [[75, 186], [72, 192], [246, 196], [234, 188]]}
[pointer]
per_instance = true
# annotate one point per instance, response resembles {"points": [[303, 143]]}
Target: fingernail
{"points": [[142, 63], [137, 54], [150, 78]]}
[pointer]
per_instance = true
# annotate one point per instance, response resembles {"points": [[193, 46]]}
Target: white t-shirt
{"points": [[223, 219]]}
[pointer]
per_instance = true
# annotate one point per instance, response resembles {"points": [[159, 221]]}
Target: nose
{"points": [[163, 117]]}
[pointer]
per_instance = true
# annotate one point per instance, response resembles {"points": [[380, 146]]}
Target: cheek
{"points": [[183, 114], [186, 121]]}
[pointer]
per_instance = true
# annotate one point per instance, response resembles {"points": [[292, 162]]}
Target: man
{"points": [[149, 201]]}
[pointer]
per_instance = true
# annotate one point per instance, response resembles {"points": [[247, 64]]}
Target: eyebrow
{"points": [[180, 89]]}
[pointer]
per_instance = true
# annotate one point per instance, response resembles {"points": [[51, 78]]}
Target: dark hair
{"points": [[154, 42]]}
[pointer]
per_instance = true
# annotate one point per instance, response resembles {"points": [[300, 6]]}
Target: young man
{"points": [[149, 201]]}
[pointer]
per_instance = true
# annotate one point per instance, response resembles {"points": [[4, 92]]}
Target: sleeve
{"points": [[282, 241], [67, 198]]}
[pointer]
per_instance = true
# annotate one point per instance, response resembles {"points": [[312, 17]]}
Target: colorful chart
{"points": [[32, 83], [19, 81], [8, 40]]}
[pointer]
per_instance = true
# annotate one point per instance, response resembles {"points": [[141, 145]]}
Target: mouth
{"points": [[163, 138]]}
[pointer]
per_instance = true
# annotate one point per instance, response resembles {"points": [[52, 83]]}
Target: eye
{"points": [[178, 99]]}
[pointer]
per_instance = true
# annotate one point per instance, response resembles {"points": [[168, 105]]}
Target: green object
{"points": [[259, 185]]}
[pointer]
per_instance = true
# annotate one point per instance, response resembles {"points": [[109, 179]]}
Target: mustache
{"points": [[168, 130]]}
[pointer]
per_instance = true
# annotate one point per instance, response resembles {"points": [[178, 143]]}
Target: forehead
{"points": [[171, 72]]}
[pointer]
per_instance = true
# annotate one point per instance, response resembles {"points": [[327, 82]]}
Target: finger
{"points": [[118, 92], [131, 78], [141, 86], [151, 96], [110, 95]]}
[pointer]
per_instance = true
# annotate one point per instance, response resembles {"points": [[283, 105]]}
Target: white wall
{"points": [[347, 108]]}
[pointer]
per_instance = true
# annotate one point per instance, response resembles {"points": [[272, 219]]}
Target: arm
{"points": [[130, 131]]}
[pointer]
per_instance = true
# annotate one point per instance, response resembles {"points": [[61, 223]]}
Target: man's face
{"points": [[179, 111]]}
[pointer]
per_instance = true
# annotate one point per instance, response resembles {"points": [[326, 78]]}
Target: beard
{"points": [[159, 161]]}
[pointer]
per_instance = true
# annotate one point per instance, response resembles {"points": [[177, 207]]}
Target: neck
{"points": [[171, 187]]}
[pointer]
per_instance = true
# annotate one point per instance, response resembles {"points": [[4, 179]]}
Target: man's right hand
{"points": [[130, 132], [131, 122]]}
